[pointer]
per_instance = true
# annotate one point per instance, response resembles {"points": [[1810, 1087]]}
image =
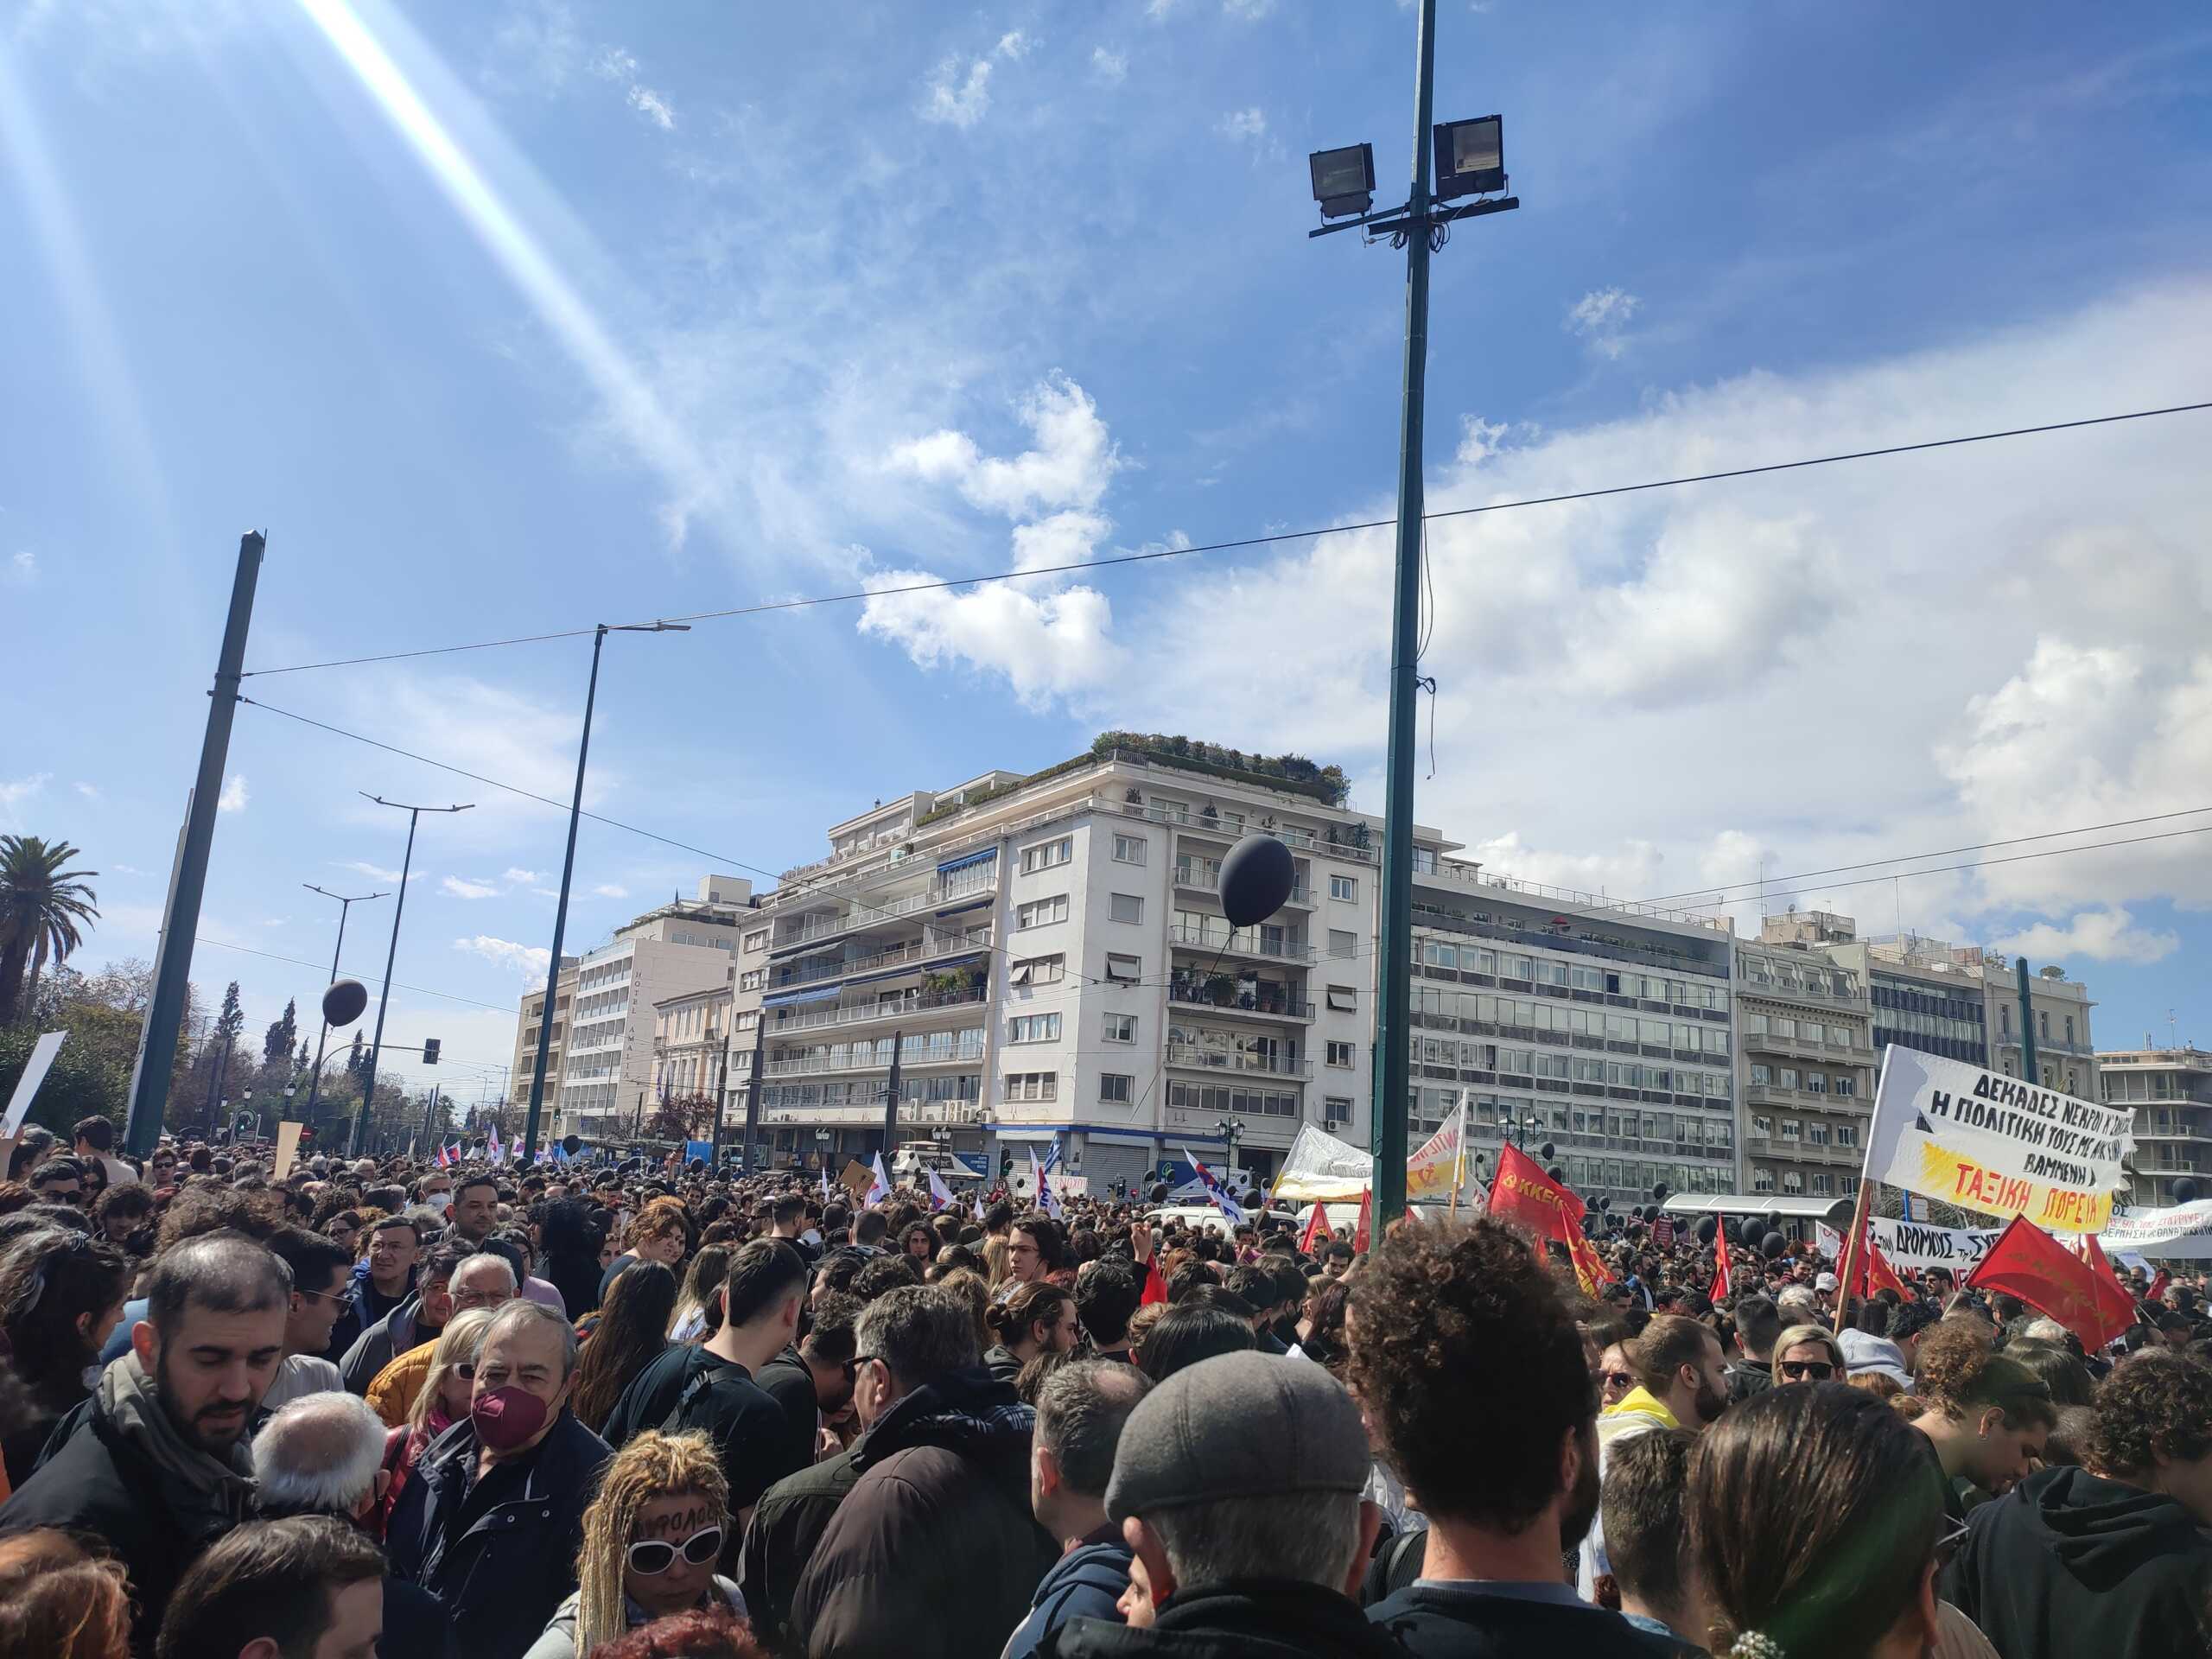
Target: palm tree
{"points": [[41, 904]]}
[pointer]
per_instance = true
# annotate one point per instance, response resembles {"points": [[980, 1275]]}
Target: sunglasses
{"points": [[655, 1556], [1619, 1380], [1808, 1371]]}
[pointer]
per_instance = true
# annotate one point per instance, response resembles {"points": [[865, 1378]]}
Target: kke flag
{"points": [[1317, 1229], [1525, 1196], [2029, 1263], [1363, 1235], [1720, 1288]]}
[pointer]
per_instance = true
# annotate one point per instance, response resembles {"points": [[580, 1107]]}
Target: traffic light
{"points": [[430, 1050], [1006, 1165]]}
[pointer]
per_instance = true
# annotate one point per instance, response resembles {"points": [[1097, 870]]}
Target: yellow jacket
{"points": [[392, 1392]]}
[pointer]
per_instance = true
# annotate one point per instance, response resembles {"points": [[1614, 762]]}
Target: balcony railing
{"points": [[906, 1006], [809, 1065], [1267, 1001], [1274, 1066], [921, 950], [1209, 882], [1240, 944], [1231, 825]]}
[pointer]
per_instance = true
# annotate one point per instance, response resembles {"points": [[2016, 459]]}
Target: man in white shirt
{"points": [[322, 1271], [96, 1139]]}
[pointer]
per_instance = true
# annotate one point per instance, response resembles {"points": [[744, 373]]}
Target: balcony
{"points": [[927, 949], [1228, 826], [1192, 879], [1191, 1058], [1266, 1001], [913, 1006], [1242, 943], [2173, 1132], [878, 1057]]}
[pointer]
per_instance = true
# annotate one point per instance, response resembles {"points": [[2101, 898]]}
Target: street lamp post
{"points": [[391, 954], [567, 873], [1471, 154], [822, 1149], [315, 1083], [1231, 1130]]}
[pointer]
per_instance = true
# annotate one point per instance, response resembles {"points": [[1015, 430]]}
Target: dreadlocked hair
{"points": [[650, 1466]]}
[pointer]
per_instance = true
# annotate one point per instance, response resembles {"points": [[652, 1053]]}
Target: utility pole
{"points": [[2029, 1073], [891, 1096], [149, 1083], [315, 1078], [753, 1095], [384, 1000]]}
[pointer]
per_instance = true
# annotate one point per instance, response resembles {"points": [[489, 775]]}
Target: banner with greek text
{"points": [[2183, 1232], [2000, 1145], [1433, 1171]]}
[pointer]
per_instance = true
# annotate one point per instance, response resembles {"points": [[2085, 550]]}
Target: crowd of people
{"points": [[647, 1411]]}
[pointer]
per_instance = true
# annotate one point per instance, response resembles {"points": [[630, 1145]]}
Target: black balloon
{"points": [[2185, 1191], [343, 1002], [1255, 880], [572, 1144], [1773, 1245], [1556, 1174], [1706, 1229]]}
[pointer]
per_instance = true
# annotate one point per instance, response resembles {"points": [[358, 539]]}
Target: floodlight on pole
{"points": [[1343, 180], [1469, 157]]}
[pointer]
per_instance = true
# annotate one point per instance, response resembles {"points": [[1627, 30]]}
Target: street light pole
{"points": [[568, 874], [391, 953], [315, 1083]]}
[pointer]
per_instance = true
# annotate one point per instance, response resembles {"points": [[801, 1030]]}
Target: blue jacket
{"points": [[1085, 1583]]}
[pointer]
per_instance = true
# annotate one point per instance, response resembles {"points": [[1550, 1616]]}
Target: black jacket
{"points": [[499, 1573], [1747, 1378], [1465, 1621], [1255, 1618], [1001, 1362], [576, 1277], [2070, 1564], [786, 1524], [934, 1552], [99, 1482], [359, 1313], [786, 1381]]}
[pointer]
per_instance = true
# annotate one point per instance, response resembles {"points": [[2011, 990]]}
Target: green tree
{"points": [[41, 902], [276, 1047]]}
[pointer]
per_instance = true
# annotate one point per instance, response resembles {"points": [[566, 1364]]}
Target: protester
{"points": [[569, 1246], [1107, 1292], [475, 1209], [484, 1282], [56, 1602], [2114, 1562], [1758, 1322], [442, 1402], [1190, 1331], [491, 1522], [323, 1454], [631, 1332], [1815, 1513], [1808, 1353], [1681, 1382], [60, 1295], [704, 1633], [321, 1275], [650, 1539], [711, 1387], [124, 1218], [934, 1549], [1986, 1415], [659, 1233], [698, 1303], [1505, 1457], [1641, 1501], [1033, 1249], [414, 1322], [1082, 1410], [1615, 1380], [305, 1585], [812, 1381], [59, 1180], [93, 1141], [380, 1286], [1037, 1318]]}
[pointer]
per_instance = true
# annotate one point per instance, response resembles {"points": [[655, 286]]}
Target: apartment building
{"points": [[1922, 995], [691, 1043], [1601, 1029], [1047, 959], [1806, 1058], [2170, 1090], [2065, 1058], [533, 1008]]}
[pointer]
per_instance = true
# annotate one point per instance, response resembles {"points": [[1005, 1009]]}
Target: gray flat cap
{"points": [[1246, 1425]]}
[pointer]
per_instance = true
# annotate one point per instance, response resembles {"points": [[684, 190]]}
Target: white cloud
{"points": [[120, 868], [375, 872], [527, 960], [23, 568], [1243, 124], [615, 64], [2108, 934], [521, 877], [608, 890], [1016, 45], [460, 887], [1600, 316], [14, 792], [655, 108], [1112, 68], [234, 797], [1071, 460], [90, 792], [949, 100]]}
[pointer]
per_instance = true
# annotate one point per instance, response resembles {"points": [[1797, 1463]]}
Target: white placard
{"points": [[19, 1104]]}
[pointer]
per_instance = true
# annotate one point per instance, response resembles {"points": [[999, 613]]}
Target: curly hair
{"points": [[703, 1633], [650, 1465], [1958, 1372], [2155, 1408], [663, 1218], [1431, 1319]]}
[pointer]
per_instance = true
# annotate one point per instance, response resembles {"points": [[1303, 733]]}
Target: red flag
{"points": [[2094, 1254], [1317, 1228], [2157, 1288], [1363, 1233], [1525, 1196], [2027, 1263], [1721, 1287], [1155, 1288]]}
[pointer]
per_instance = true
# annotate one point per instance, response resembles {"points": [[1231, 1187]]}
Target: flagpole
{"points": [[1851, 1248]]}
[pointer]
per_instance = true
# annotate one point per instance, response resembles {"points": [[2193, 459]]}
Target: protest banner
{"points": [[35, 1069], [288, 1148], [856, 1178], [1434, 1172], [2184, 1231], [1908, 1244], [2000, 1145]]}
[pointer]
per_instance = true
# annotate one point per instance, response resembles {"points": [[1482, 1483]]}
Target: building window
{"points": [[1120, 1028], [1842, 1036], [1816, 1082], [1340, 1053], [2069, 1028], [1793, 1181], [1032, 1086], [1046, 853], [1846, 1087], [1115, 1088], [1345, 887], [753, 980], [1816, 1134], [1129, 850], [1343, 942], [1336, 1112], [756, 940], [1847, 1134], [1763, 1128], [1038, 912], [1820, 1186], [1039, 970], [1792, 1129], [1125, 908], [1124, 971], [1032, 1029], [1762, 1180], [749, 1021], [1343, 999], [1762, 1076]]}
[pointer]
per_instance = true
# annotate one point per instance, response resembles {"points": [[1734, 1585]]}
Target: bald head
{"points": [[319, 1455]]}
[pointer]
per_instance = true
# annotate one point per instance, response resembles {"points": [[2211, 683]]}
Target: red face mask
{"points": [[506, 1418]]}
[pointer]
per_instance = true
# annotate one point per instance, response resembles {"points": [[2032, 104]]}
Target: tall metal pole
{"points": [[149, 1083], [561, 913], [391, 955], [891, 1096], [752, 1095], [1393, 1026], [2028, 1069], [345, 905]]}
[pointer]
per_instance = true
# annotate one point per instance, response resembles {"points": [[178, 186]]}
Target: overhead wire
{"points": [[1154, 555]]}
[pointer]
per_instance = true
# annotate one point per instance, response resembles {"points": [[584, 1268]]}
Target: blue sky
{"points": [[512, 317]]}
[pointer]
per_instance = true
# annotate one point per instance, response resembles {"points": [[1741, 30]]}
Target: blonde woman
{"points": [[998, 1260], [1808, 1353], [702, 1283], [441, 1402], [652, 1538]]}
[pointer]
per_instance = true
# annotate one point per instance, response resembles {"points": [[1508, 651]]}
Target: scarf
{"points": [[205, 1493]]}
